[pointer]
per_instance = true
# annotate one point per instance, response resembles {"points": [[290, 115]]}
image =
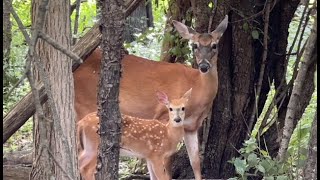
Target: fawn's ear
{"points": [[187, 95], [162, 98]]}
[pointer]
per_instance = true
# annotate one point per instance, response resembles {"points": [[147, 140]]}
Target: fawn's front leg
{"points": [[159, 169], [192, 145]]}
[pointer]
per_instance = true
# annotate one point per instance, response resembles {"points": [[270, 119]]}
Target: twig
{"points": [[20, 24], [255, 15], [136, 176], [56, 45], [74, 5], [76, 21], [263, 64], [215, 4], [57, 163]]}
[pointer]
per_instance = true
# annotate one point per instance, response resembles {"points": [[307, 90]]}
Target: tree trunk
{"points": [[6, 31], [112, 27], [6, 40], [310, 169], [173, 50], [61, 147], [310, 55]]}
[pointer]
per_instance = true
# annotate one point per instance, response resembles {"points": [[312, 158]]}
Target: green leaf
{"points": [[282, 177], [266, 165], [240, 166], [245, 27], [255, 34], [252, 160], [261, 168], [269, 178], [264, 153]]}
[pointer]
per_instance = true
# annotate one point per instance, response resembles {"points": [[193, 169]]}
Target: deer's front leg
{"points": [[192, 145]]}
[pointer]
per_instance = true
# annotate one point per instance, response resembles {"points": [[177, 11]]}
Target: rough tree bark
{"points": [[59, 69], [309, 56], [112, 28], [6, 38], [6, 31], [179, 10], [310, 169]]}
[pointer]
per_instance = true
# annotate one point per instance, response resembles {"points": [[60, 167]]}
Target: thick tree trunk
{"points": [[179, 11], [61, 147], [112, 28]]}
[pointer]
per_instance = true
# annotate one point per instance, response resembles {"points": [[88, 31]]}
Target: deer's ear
{"points": [[221, 27], [187, 95], [184, 31], [162, 98]]}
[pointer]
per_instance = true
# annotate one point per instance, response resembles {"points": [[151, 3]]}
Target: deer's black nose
{"points": [[177, 119], [204, 67]]}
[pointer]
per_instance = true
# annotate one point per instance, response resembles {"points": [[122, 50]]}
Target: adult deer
{"points": [[142, 138], [142, 77]]}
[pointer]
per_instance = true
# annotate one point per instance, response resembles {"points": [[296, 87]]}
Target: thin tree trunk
{"points": [[6, 31], [294, 104], [310, 169], [6, 39], [113, 19]]}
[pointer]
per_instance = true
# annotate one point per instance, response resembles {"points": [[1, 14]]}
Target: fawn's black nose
{"points": [[178, 119]]}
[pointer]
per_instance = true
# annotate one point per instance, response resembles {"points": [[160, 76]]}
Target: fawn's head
{"points": [[205, 45], [176, 107]]}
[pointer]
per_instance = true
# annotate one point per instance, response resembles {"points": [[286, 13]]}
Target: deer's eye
{"points": [[170, 109], [214, 46], [182, 108], [194, 46]]}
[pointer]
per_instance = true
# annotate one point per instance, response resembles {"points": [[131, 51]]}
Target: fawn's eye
{"points": [[170, 109], [214, 46], [182, 108]]}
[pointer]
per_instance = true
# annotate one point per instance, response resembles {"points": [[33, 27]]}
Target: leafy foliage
{"points": [[254, 161]]}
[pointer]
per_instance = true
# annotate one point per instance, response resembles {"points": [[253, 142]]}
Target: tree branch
{"points": [[75, 29], [56, 45]]}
